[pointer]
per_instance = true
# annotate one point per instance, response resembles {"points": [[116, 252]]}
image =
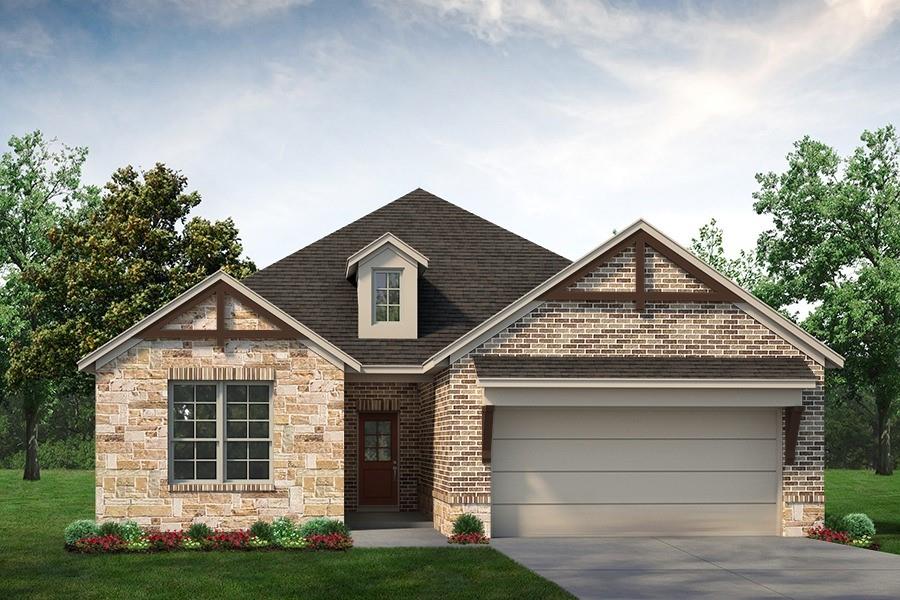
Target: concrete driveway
{"points": [[709, 567]]}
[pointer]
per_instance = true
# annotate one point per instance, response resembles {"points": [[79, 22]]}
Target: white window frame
{"points": [[221, 438], [388, 290]]}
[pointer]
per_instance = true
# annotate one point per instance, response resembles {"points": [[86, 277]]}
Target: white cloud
{"points": [[224, 13]]}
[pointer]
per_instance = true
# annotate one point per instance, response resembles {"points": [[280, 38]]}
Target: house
{"points": [[422, 358]]}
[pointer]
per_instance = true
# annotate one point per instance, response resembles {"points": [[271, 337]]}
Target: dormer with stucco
{"points": [[386, 273]]}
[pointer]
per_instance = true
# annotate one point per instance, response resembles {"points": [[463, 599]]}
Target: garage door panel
{"points": [[635, 471], [533, 423], [628, 455], [595, 520], [631, 488]]}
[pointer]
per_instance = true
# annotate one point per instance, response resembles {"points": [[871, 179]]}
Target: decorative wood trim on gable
{"points": [[221, 289], [792, 430], [487, 432], [640, 296]]}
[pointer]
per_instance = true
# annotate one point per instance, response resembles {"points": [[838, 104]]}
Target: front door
{"points": [[378, 459]]}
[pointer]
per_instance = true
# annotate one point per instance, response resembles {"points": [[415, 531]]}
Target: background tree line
{"points": [[78, 265]]}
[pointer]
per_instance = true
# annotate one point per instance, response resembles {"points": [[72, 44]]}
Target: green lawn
{"points": [[848, 491], [33, 563]]}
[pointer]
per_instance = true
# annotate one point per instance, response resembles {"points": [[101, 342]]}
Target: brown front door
{"points": [[378, 459]]}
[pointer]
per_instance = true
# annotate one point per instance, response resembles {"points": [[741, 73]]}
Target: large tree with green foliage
{"points": [[835, 244], [119, 259], [40, 181]]}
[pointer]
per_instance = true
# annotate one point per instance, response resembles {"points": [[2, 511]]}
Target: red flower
{"points": [[228, 540], [99, 544], [820, 532], [468, 538], [166, 540], [332, 541]]}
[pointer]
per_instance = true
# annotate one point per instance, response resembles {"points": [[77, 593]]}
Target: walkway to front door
{"points": [[393, 530], [378, 453]]}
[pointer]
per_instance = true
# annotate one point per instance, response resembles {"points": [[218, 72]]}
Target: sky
{"points": [[559, 120]]}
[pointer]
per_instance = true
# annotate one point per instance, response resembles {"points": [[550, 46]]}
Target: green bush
{"points": [[282, 527], [834, 521], [80, 529], [199, 531], [323, 526], [72, 453], [111, 528], [130, 531], [261, 530], [467, 523], [858, 525]]}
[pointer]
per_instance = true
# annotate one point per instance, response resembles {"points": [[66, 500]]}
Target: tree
{"points": [[745, 270], [835, 243], [39, 182], [116, 260]]}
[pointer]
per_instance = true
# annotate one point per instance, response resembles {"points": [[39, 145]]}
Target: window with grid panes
{"points": [[220, 431]]}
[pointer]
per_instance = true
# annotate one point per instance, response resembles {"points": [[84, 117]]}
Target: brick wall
{"points": [[132, 433], [457, 475], [401, 398]]}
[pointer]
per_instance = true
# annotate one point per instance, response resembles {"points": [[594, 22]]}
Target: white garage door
{"points": [[635, 471]]}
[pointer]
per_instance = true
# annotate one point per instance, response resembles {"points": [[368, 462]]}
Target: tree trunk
{"points": [[32, 467], [884, 462]]}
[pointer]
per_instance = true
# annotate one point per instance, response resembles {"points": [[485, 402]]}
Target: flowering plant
{"points": [[141, 544], [100, 543], [190, 543], [227, 540], [862, 542], [468, 538], [820, 532], [331, 541], [166, 540], [257, 542]]}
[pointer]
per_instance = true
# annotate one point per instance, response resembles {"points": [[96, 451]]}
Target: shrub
{"points": [[199, 531], [825, 534], [331, 541], [191, 544], [140, 544], [97, 544], [257, 542], [323, 526], [858, 525], [262, 530], [467, 538], [283, 529], [71, 453], [468, 523], [834, 521], [111, 528], [77, 530], [130, 531]]}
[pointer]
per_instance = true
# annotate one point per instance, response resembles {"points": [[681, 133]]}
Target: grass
{"points": [[848, 491], [34, 565]]}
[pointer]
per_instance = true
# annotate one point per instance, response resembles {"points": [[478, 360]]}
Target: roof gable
{"points": [[721, 289], [166, 323], [389, 240]]}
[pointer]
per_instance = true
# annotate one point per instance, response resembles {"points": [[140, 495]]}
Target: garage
{"points": [[606, 446], [592, 471]]}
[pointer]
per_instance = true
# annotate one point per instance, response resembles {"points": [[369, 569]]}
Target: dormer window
{"points": [[387, 296], [386, 273]]}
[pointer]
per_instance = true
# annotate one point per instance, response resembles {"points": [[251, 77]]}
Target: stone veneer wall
{"points": [[371, 396], [132, 433], [457, 479]]}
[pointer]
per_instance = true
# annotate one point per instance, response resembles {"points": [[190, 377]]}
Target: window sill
{"points": [[222, 487]]}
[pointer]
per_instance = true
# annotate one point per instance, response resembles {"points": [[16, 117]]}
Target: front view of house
{"points": [[424, 359]]}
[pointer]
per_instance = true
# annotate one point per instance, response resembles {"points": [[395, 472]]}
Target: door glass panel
{"points": [[371, 454], [377, 441]]}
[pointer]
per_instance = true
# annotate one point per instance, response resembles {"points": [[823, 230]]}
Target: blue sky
{"points": [[558, 120]]}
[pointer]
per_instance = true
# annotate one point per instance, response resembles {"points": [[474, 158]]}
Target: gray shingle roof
{"points": [[476, 268], [642, 367]]}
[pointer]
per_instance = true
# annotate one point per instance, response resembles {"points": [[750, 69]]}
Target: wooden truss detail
{"points": [[640, 295], [158, 331]]}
